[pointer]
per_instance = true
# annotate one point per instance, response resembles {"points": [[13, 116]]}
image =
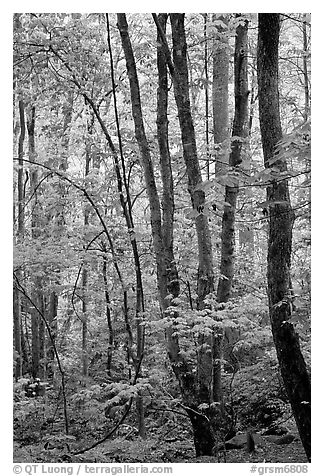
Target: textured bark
{"points": [[220, 55], [203, 432], [220, 95], [305, 70], [85, 271], [20, 184], [183, 371], [291, 361], [17, 331], [37, 326], [143, 144], [231, 192], [167, 202], [108, 316], [205, 281], [206, 71], [20, 233], [126, 204]]}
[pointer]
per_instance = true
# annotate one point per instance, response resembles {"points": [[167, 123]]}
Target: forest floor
{"points": [[152, 451]]}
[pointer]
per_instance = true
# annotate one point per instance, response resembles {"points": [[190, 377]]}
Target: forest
{"points": [[162, 231]]}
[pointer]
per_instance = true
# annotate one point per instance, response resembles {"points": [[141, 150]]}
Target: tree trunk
{"points": [[172, 280], [51, 316], [220, 95], [231, 192], [37, 327], [205, 280], [206, 71], [20, 234], [291, 361], [108, 316], [220, 55], [183, 372], [17, 332], [85, 271], [305, 70]]}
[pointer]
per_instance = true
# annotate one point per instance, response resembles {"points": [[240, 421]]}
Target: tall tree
{"points": [[37, 324], [20, 233], [192, 396], [281, 219], [220, 91], [235, 159]]}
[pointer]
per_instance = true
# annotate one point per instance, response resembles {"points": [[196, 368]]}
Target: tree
{"points": [[281, 219], [220, 91], [238, 134]]}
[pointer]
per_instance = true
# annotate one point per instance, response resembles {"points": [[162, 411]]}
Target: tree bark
{"points": [[20, 233], [37, 326], [220, 55], [203, 431], [172, 279], [51, 316], [305, 70], [281, 218], [205, 281], [108, 316], [231, 192], [206, 71], [85, 271], [220, 95], [183, 372]]}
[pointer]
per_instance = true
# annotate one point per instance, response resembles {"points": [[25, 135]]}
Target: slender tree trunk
{"points": [[125, 200], [85, 271], [281, 218], [305, 68], [37, 326], [220, 55], [20, 233], [203, 432], [205, 282], [17, 332], [231, 192], [85, 359], [21, 214], [172, 279], [108, 316], [220, 95], [206, 70], [183, 372], [51, 316]]}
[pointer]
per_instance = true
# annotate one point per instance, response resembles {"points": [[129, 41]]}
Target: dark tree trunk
{"points": [[20, 233], [203, 431], [108, 316], [305, 70], [291, 361], [231, 192], [205, 282], [183, 371], [37, 327], [167, 202], [17, 332], [51, 316]]}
